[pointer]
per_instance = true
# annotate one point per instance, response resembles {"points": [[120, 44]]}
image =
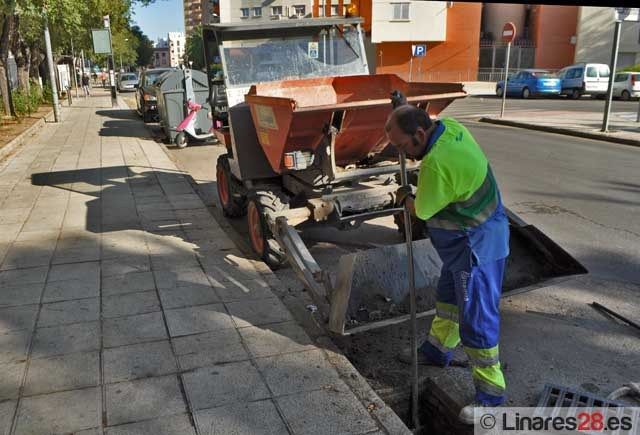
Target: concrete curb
{"points": [[565, 131], [10, 147]]}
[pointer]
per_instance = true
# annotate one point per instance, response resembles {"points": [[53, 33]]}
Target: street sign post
{"points": [[417, 50], [620, 15], [508, 35]]}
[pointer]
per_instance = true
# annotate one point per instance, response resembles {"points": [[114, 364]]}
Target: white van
{"points": [[585, 78]]}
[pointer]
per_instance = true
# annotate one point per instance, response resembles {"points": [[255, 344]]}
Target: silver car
{"points": [[127, 82]]}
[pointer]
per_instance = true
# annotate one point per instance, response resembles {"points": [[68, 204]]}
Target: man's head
{"points": [[409, 128]]}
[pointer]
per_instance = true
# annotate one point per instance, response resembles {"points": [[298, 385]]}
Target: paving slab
{"points": [[194, 320], [275, 339], [65, 412], [67, 312], [219, 385], [7, 409], [57, 291], [333, 413], [128, 283], [210, 348], [258, 312], [172, 425], [254, 418], [133, 329], [126, 264], [88, 271], [10, 380], [34, 275], [21, 294], [13, 346], [66, 372], [301, 371], [243, 290], [61, 340], [17, 318], [129, 304], [143, 399], [138, 361]]}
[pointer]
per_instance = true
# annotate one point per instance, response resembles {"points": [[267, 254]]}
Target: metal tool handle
{"points": [[412, 296]]}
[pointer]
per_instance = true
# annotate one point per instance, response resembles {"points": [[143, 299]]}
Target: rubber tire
{"points": [[264, 201], [419, 229], [575, 94], [526, 93], [499, 91], [236, 204], [181, 140], [625, 95]]}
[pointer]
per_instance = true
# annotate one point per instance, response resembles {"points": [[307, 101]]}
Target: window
{"points": [[276, 10], [400, 11], [603, 70], [621, 78], [178, 43], [244, 12], [334, 10], [257, 12], [300, 10], [592, 71]]}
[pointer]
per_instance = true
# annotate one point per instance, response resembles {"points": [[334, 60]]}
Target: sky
{"points": [[159, 18]]}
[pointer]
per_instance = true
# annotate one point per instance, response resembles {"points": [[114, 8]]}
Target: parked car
{"points": [[626, 85], [530, 82], [585, 78], [146, 101], [127, 82]]}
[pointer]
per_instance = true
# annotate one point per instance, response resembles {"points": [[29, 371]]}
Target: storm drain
{"points": [[559, 401]]}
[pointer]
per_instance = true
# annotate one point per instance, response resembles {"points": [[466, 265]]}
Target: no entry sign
{"points": [[509, 32]]}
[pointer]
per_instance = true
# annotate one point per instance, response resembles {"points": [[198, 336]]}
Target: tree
{"points": [[7, 21], [194, 49], [144, 48]]}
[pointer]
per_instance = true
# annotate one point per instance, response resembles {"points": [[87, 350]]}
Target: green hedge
{"points": [[25, 103], [630, 68]]}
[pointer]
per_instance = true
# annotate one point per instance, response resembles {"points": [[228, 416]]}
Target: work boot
{"points": [[429, 355], [406, 357], [468, 414]]}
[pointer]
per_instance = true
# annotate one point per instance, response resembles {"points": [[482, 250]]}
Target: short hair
{"points": [[408, 118]]}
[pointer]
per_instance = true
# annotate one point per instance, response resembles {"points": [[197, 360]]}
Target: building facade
{"points": [[595, 38], [450, 31], [176, 45], [260, 10], [193, 13]]}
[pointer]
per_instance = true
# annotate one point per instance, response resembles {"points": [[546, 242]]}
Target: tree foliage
{"points": [[194, 49]]}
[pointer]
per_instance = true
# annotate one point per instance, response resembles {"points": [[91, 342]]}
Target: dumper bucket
{"points": [[371, 286], [293, 115]]}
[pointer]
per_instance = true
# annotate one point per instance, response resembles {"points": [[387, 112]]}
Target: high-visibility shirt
{"points": [[459, 198]]}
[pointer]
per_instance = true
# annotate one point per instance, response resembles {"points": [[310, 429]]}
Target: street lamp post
{"points": [[112, 81], [52, 74]]}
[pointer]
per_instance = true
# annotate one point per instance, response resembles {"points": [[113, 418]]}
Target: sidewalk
{"points": [[623, 127], [125, 308]]}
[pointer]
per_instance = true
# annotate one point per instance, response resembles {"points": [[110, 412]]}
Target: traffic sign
{"points": [[509, 32], [419, 50]]}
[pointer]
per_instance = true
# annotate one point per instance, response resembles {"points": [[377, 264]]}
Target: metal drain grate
{"points": [[557, 401]]}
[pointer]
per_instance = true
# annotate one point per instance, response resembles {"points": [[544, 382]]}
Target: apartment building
{"points": [[176, 44], [450, 31], [594, 40], [193, 13], [161, 56], [260, 10]]}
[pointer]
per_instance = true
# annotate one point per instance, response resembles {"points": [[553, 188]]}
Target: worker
{"points": [[458, 197]]}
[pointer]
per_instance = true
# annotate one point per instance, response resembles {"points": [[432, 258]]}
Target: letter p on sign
{"points": [[419, 50]]}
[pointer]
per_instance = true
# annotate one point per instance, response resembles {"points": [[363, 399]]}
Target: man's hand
{"points": [[402, 194]]}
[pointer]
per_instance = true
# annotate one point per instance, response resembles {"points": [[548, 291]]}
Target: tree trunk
{"points": [[7, 29], [36, 60], [21, 54]]}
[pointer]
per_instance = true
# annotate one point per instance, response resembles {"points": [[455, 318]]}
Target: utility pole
{"points": [[75, 76], [612, 72], [52, 74], [82, 70], [112, 78]]}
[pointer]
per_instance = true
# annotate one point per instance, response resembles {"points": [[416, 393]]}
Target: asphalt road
{"points": [[490, 105], [582, 193]]}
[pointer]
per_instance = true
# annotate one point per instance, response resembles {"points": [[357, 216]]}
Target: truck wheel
{"points": [[230, 191], [576, 94], [262, 241], [526, 93], [181, 140], [625, 96], [499, 92]]}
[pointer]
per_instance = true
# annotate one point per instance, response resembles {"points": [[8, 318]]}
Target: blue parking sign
{"points": [[419, 50]]}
